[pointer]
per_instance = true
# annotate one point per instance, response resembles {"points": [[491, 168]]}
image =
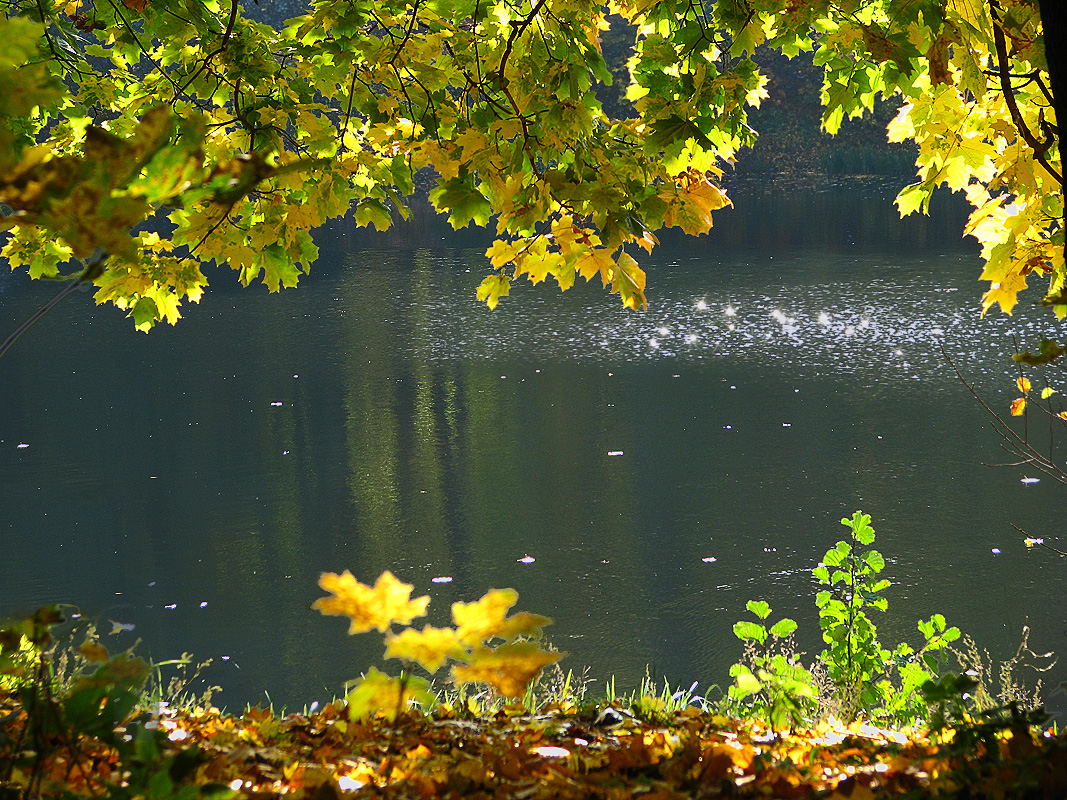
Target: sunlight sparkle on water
{"points": [[730, 311], [702, 305]]}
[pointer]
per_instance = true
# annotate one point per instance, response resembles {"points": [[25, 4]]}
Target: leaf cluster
{"points": [[508, 667], [170, 136]]}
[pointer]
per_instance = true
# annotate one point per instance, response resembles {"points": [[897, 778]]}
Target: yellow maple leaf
{"points": [[487, 618], [492, 288], [1018, 406], [379, 607], [1023, 384], [509, 668], [377, 694], [429, 647]]}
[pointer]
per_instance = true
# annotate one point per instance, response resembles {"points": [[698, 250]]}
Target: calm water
{"points": [[194, 482]]}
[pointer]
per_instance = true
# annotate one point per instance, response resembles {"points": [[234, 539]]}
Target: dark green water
{"points": [[194, 482]]}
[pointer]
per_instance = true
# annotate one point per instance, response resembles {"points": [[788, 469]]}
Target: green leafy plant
{"points": [[77, 721], [862, 678], [868, 678], [772, 684]]}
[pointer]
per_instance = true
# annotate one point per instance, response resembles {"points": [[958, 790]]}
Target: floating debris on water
{"points": [[709, 559], [1030, 480], [441, 579], [615, 452], [526, 560]]}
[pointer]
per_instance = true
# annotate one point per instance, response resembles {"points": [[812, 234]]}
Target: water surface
{"points": [[660, 469]]}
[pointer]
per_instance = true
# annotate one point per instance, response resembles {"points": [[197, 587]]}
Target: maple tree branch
{"points": [[221, 48], [94, 267], [1014, 443], [516, 31], [1030, 541], [1039, 148]]}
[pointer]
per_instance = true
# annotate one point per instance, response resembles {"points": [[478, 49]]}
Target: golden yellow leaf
{"points": [[429, 647], [1023, 384], [1018, 406], [379, 607], [378, 694], [509, 668], [487, 618]]}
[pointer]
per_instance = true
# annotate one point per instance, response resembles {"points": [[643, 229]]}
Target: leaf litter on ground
{"points": [[572, 753]]}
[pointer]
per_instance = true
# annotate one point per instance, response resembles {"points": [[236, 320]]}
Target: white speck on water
{"points": [[690, 338], [787, 424], [702, 305], [21, 446], [614, 452], [729, 427], [285, 452], [996, 551], [503, 377], [824, 318], [653, 342], [663, 331], [526, 560], [153, 583], [171, 607], [730, 311], [296, 376], [1030, 480], [441, 579], [709, 559], [203, 604], [275, 404]]}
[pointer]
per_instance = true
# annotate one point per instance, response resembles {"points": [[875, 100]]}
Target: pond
{"points": [[635, 476]]}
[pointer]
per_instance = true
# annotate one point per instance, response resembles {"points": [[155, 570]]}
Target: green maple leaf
{"points": [[463, 202], [373, 212], [278, 267]]}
